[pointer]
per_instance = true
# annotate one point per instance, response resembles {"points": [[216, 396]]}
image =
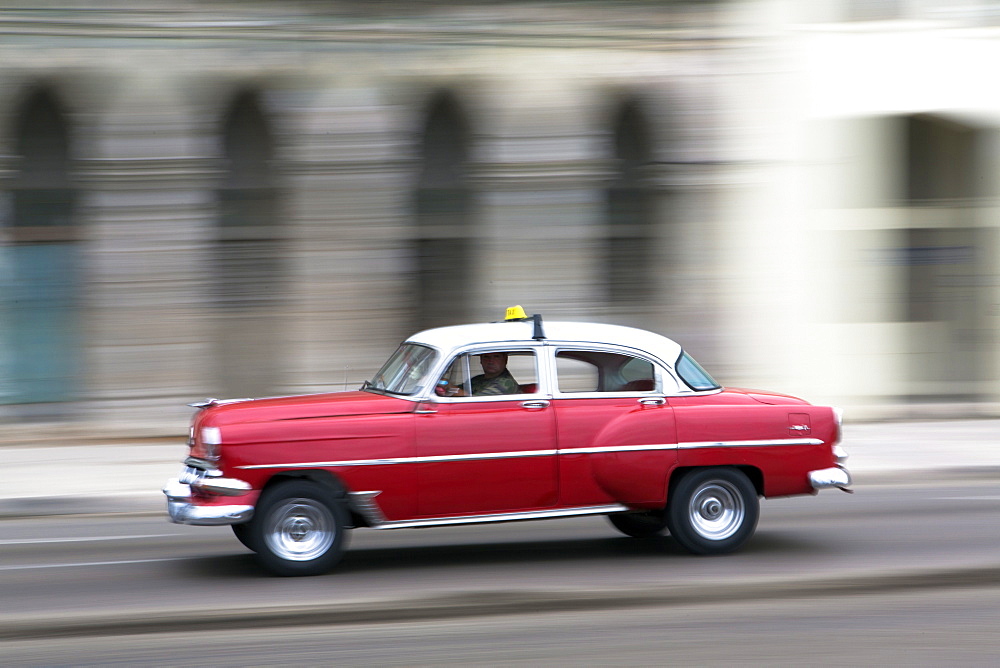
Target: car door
{"points": [[617, 438], [483, 454]]}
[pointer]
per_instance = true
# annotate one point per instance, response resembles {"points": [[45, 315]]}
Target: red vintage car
{"points": [[513, 420]]}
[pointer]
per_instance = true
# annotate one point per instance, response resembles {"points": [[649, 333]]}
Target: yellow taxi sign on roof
{"points": [[515, 313]]}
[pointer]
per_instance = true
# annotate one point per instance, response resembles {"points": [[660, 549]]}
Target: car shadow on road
{"points": [[599, 551], [373, 559], [507, 553]]}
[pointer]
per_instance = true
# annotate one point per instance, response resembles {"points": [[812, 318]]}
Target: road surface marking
{"points": [[83, 564], [85, 539]]}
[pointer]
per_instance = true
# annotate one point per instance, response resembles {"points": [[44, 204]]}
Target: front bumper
{"points": [[183, 511], [835, 476]]}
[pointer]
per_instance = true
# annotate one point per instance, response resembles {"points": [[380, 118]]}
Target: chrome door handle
{"points": [[653, 401], [535, 403]]}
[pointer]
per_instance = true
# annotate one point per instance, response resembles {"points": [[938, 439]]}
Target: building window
{"points": [[940, 160], [942, 257], [42, 356], [249, 258], [443, 204], [629, 249]]}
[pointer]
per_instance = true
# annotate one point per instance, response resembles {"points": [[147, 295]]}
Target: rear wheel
{"points": [[639, 525], [713, 511], [298, 529]]}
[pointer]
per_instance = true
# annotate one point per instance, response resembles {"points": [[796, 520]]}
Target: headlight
{"points": [[211, 439]]}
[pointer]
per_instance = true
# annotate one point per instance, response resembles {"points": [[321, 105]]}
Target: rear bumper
{"points": [[835, 476], [183, 511]]}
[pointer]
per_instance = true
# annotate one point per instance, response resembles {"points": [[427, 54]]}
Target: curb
{"points": [[487, 603], [927, 476], [57, 506]]}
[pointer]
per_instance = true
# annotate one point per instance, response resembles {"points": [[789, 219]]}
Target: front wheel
{"points": [[298, 529], [713, 511]]}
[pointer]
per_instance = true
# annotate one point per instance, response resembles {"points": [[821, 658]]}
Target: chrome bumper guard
{"points": [[182, 511], [835, 476]]}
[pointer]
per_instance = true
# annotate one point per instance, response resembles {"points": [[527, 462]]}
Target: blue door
{"points": [[41, 334]]}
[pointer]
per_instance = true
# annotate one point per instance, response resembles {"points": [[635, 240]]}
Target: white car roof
{"points": [[448, 339]]}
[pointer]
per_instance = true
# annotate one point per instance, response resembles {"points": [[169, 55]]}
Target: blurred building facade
{"points": [[237, 199]]}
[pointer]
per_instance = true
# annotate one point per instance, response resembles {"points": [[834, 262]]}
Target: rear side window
{"points": [[576, 375], [602, 371], [692, 374]]}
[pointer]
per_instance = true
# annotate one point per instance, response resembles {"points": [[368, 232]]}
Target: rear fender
{"points": [[636, 452]]}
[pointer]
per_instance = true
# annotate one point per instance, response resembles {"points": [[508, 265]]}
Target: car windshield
{"points": [[692, 374], [405, 372]]}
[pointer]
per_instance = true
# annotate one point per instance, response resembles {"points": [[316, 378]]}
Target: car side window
{"points": [[602, 371], [576, 375], [694, 375], [489, 373], [455, 380], [523, 368], [637, 375]]}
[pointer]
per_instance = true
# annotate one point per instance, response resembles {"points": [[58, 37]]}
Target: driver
{"points": [[494, 380]]}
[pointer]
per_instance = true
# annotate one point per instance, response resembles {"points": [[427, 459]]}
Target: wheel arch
{"points": [[318, 476], [754, 474], [329, 481]]}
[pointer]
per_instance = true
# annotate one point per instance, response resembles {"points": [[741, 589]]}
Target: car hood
{"points": [[336, 404]]}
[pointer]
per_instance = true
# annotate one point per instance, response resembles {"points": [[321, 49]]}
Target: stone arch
{"points": [[42, 356], [941, 256], [630, 207], [443, 210], [249, 254]]}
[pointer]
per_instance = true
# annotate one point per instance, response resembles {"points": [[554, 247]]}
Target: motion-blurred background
{"points": [[229, 198]]}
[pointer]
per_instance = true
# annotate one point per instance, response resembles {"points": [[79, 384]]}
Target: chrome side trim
{"points": [[364, 503], [618, 448], [777, 442], [409, 460], [479, 456]]}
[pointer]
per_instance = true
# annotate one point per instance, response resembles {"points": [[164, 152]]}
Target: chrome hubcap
{"points": [[300, 530], [717, 510]]}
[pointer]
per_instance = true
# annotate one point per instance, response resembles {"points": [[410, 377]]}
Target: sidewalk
{"points": [[58, 478]]}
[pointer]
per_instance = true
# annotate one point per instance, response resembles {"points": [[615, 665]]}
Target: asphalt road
{"points": [[886, 566], [921, 628]]}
